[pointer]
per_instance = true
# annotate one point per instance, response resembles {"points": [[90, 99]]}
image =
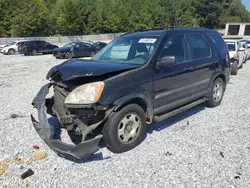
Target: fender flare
{"points": [[126, 99]]}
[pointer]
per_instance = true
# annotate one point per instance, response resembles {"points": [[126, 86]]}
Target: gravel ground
{"points": [[199, 148]]}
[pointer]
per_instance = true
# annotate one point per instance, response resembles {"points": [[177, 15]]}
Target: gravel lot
{"points": [[199, 148]]}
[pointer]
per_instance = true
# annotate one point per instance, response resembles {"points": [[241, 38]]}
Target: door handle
{"points": [[188, 68]]}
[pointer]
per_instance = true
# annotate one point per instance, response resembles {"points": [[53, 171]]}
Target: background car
{"points": [[246, 45], [99, 45], [236, 56], [12, 48], [75, 49], [35, 47], [243, 50]]}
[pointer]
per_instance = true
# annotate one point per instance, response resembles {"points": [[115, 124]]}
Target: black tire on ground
{"points": [[68, 55], [241, 66], [234, 68], [11, 52], [34, 52], [216, 93], [111, 130]]}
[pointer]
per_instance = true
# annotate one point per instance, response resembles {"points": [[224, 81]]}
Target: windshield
{"points": [[69, 45], [231, 46], [131, 50]]}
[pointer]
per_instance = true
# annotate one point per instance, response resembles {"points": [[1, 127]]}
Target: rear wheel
{"points": [[234, 68], [125, 129], [11, 52], [34, 52], [216, 93], [68, 55]]}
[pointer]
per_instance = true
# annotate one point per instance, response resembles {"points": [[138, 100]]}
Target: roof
{"points": [[161, 32]]}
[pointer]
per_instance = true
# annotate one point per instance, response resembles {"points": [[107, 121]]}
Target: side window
{"points": [[176, 46], [39, 42], [199, 46], [78, 45], [85, 45]]}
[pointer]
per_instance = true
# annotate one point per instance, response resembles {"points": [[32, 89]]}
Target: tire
{"points": [[119, 142], [68, 55], [234, 68], [241, 65], [34, 52], [11, 52], [92, 53], [216, 93]]}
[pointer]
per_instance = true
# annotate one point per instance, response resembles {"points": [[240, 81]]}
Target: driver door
{"points": [[172, 84]]}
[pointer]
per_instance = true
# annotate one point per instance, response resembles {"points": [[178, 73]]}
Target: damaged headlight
{"points": [[85, 94]]}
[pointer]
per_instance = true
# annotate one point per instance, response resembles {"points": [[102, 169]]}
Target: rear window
{"points": [[199, 46], [219, 42]]}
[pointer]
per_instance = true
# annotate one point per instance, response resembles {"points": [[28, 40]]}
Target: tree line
{"points": [[77, 17]]}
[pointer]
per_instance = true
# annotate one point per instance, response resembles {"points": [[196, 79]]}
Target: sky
{"points": [[247, 4]]}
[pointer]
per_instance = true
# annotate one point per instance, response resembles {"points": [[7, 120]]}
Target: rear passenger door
{"points": [[203, 61], [40, 45]]}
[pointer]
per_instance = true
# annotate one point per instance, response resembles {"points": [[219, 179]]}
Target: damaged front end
{"points": [[81, 120]]}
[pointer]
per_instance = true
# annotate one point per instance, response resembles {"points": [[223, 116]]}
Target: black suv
{"points": [[137, 79], [35, 47]]}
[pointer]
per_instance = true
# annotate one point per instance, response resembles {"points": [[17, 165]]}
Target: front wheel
{"points": [[125, 129], [68, 55], [216, 93], [234, 68], [11, 52]]}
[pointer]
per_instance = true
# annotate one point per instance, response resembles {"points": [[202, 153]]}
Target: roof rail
{"points": [[152, 29], [160, 28]]}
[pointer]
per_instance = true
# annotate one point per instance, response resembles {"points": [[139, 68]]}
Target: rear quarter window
{"points": [[219, 42]]}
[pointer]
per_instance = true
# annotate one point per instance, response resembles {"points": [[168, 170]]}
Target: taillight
{"points": [[25, 46]]}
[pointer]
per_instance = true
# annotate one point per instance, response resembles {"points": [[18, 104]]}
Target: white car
{"points": [[236, 56], [12, 48], [246, 44]]}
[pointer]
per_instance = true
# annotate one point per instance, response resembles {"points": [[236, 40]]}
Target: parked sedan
{"points": [[75, 49]]}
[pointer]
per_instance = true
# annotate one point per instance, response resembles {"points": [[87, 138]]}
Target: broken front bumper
{"points": [[46, 132]]}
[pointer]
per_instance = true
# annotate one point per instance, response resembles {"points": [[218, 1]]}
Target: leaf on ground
{"points": [[3, 167], [40, 156]]}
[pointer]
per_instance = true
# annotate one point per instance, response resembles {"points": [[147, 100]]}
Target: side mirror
{"points": [[166, 61]]}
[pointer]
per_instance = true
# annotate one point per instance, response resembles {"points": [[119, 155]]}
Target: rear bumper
{"points": [[46, 132]]}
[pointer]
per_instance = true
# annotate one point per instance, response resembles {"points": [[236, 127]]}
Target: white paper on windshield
{"points": [[147, 40]]}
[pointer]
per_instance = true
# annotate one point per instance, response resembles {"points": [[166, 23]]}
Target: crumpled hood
{"points": [[79, 68], [232, 54]]}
